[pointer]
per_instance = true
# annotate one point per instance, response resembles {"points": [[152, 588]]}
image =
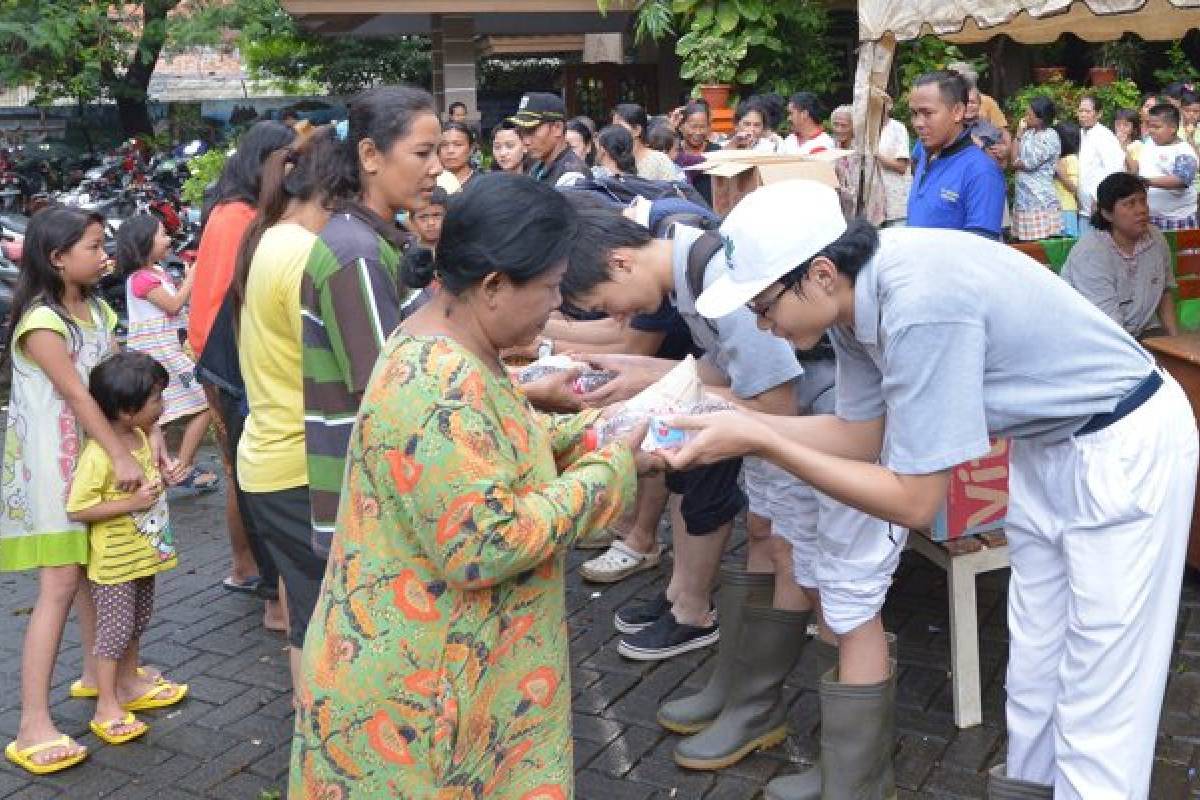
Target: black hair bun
{"points": [[418, 268]]}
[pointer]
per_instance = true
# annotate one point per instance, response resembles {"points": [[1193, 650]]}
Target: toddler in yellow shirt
{"points": [[129, 542]]}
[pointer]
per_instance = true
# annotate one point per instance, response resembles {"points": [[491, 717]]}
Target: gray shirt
{"points": [[1127, 289], [754, 360], [956, 338]]}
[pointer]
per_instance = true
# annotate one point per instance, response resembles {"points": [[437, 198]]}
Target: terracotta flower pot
{"points": [[716, 95], [1049, 74], [1102, 76]]}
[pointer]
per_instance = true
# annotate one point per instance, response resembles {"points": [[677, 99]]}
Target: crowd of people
{"points": [[403, 503]]}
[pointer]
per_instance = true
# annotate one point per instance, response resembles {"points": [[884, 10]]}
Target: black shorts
{"points": [[284, 521], [711, 495]]}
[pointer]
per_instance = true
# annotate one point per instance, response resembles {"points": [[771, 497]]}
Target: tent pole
{"points": [[870, 85]]}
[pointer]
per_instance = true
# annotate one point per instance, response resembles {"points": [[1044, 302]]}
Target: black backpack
{"points": [[622, 189]]}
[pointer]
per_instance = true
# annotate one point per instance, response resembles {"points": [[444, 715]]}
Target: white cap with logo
{"points": [[773, 230]]}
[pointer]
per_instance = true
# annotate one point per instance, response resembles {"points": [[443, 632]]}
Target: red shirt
{"points": [[215, 261]]}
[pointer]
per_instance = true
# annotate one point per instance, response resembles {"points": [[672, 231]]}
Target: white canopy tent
{"points": [[881, 23]]}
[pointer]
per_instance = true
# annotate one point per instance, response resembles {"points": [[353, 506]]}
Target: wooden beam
{"points": [[341, 23], [521, 45]]}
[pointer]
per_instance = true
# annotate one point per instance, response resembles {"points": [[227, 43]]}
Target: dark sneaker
{"points": [[632, 619], [666, 638]]}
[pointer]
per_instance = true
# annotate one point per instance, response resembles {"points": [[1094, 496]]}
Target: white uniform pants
{"points": [[847, 556], [1097, 528]]}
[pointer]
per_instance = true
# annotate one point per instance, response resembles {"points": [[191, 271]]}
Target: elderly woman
{"points": [[1036, 213], [437, 665], [1123, 266]]}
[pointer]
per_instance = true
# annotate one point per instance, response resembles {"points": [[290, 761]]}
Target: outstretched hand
{"points": [[715, 437]]}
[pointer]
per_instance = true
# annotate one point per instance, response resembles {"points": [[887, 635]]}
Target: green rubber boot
{"points": [[739, 589], [857, 738], [753, 717]]}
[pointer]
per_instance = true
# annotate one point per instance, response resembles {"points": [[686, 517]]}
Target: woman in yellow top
{"points": [[129, 541], [272, 470], [1066, 176], [436, 665]]}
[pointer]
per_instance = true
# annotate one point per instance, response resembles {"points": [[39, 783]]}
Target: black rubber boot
{"points": [[753, 717], [1000, 787], [857, 739], [739, 589]]}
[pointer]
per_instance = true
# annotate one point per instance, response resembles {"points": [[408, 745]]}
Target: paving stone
{"points": [[624, 752], [592, 785], [665, 774], [954, 784], [971, 749], [731, 787], [243, 785]]}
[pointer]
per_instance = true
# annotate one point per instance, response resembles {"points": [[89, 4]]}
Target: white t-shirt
{"points": [[794, 147], [1100, 155], [893, 143], [1171, 159]]}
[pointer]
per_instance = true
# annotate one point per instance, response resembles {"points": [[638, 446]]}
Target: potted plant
{"points": [[711, 62], [1050, 59], [1119, 59]]}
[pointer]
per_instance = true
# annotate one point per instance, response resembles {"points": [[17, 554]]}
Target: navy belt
{"points": [[1126, 405]]}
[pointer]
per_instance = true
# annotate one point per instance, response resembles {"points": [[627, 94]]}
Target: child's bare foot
{"points": [[145, 693], [86, 685], [118, 727], [31, 746]]}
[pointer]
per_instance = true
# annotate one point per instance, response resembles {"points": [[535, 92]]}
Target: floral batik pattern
{"points": [[436, 662]]}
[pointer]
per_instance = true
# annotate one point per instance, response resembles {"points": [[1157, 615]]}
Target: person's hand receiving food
{"points": [[642, 461], [634, 373], [554, 391]]}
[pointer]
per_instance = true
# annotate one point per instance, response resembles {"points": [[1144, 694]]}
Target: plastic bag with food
{"points": [[680, 391]]}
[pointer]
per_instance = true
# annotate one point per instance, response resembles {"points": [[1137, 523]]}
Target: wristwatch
{"points": [[545, 348]]}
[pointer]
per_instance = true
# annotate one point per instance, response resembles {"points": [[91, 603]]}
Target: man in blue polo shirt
{"points": [[955, 184]]}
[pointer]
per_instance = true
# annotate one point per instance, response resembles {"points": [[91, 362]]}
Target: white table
{"points": [[964, 619]]}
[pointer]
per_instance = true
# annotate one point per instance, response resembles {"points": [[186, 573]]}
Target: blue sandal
{"points": [[201, 479]]}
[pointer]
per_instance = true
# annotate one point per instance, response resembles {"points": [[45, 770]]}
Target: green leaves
{"points": [[749, 41], [727, 16]]}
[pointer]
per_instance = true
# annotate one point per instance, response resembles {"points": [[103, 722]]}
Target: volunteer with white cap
{"points": [[950, 339], [838, 557]]}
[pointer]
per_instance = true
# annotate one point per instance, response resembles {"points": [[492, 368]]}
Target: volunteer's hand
{"points": [[717, 437], [634, 373], [553, 392], [675, 118]]}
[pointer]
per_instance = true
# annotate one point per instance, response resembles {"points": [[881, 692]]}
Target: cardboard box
{"points": [[977, 500], [736, 173]]}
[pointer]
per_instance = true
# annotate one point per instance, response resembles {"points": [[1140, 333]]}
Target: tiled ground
{"points": [[230, 739]]}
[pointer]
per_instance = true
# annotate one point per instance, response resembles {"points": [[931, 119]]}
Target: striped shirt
{"points": [[349, 305]]}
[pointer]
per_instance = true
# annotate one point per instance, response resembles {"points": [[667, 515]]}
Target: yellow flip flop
{"points": [[104, 729], [23, 758], [149, 700], [81, 692]]}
